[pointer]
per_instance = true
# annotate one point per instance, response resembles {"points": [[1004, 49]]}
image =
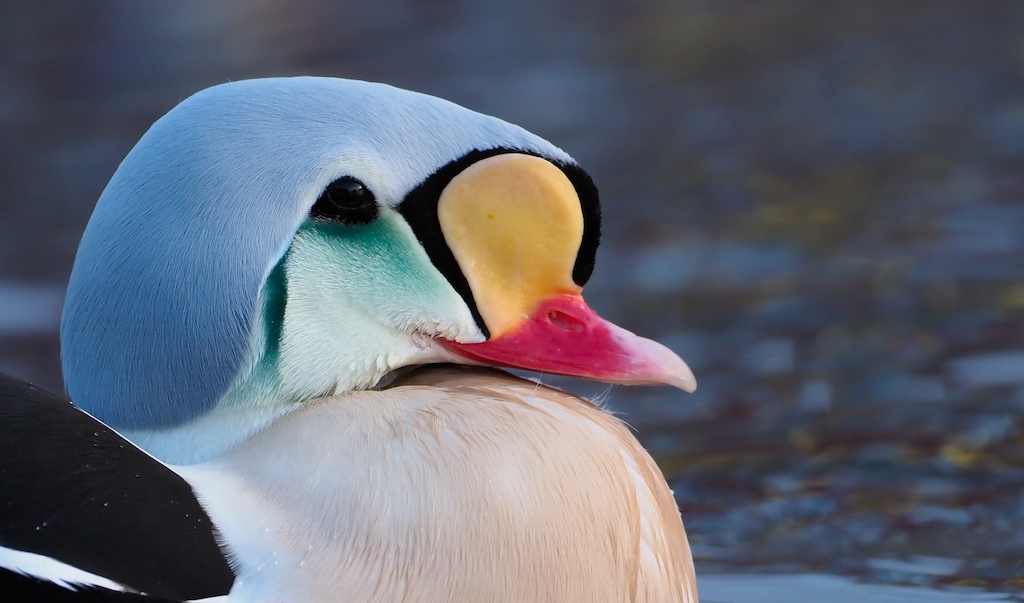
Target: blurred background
{"points": [[819, 205]]}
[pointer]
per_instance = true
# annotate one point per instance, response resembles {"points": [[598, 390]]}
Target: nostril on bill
{"points": [[565, 321]]}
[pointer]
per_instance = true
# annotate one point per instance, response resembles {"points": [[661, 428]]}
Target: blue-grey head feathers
{"points": [[163, 294]]}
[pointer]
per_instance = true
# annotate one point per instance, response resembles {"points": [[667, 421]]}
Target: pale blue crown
{"points": [[163, 294]]}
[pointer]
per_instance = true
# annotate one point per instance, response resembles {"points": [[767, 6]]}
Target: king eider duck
{"points": [[276, 339]]}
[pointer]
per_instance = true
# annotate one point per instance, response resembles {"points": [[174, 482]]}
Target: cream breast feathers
{"points": [[453, 484]]}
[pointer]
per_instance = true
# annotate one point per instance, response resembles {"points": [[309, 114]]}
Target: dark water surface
{"points": [[820, 205]]}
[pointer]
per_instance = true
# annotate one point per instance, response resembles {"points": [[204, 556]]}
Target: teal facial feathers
{"points": [[174, 275], [352, 295]]}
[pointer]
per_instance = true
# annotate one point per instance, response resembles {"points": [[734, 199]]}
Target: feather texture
{"points": [[453, 484], [164, 292]]}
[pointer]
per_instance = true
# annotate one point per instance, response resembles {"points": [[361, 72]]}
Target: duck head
{"points": [[272, 241]]}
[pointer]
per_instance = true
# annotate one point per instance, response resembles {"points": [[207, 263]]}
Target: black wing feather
{"points": [[74, 490], [16, 588]]}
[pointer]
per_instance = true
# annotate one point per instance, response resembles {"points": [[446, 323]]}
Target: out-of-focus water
{"points": [[816, 588], [820, 205]]}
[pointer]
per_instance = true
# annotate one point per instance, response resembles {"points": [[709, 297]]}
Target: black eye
{"points": [[346, 201]]}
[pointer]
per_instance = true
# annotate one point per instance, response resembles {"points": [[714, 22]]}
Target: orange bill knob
{"points": [[514, 224]]}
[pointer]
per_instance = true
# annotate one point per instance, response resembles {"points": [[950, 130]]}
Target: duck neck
{"points": [[288, 365], [332, 317]]}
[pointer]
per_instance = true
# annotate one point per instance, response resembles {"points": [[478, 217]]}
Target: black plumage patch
{"points": [[16, 588], [420, 210], [591, 204], [74, 490], [346, 201]]}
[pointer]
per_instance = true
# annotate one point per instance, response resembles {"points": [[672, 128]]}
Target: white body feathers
{"points": [[207, 312], [456, 485]]}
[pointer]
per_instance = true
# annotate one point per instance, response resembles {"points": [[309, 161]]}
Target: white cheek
{"points": [[353, 315], [327, 346]]}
